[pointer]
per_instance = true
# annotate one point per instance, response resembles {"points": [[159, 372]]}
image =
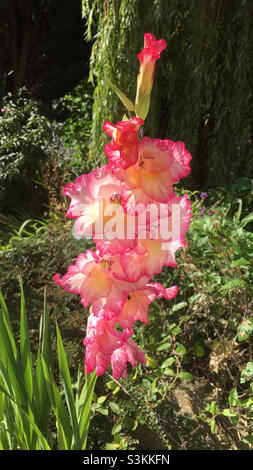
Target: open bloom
{"points": [[122, 151], [160, 164], [100, 282], [147, 57], [137, 304], [96, 207], [89, 195], [155, 251]]}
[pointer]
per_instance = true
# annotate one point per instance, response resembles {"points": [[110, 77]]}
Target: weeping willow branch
{"points": [[204, 77]]}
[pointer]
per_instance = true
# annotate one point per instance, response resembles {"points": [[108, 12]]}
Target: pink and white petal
{"points": [[134, 200], [114, 246], [133, 266], [96, 285], [84, 226], [180, 167], [135, 308], [86, 261], [157, 186], [80, 197], [158, 155], [155, 155], [113, 154], [158, 290], [119, 362], [128, 352], [156, 46], [107, 184], [134, 353], [101, 340], [112, 304], [110, 129], [130, 177], [71, 281], [77, 273]]}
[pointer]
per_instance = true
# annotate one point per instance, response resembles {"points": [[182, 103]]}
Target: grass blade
{"points": [[41, 438], [65, 374], [8, 327], [63, 424], [85, 406], [10, 356], [45, 349], [25, 347]]}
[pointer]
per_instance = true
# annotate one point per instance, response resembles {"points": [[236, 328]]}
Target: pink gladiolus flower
{"points": [[137, 223], [90, 194], [101, 341], [129, 352], [96, 207], [147, 57], [99, 281], [122, 152], [136, 307], [151, 254], [160, 164]]}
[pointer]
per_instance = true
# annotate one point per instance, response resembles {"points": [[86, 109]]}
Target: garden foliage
{"points": [[203, 93]]}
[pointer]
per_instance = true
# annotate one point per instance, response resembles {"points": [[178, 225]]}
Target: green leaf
{"points": [[116, 390], [233, 397], [64, 430], [130, 423], [213, 426], [232, 415], [199, 350], [25, 347], [247, 373], [180, 349], [186, 376], [168, 362], [40, 389], [176, 330], [127, 103], [246, 220], [41, 438], [102, 411], [102, 399], [6, 319], [245, 329], [45, 336], [116, 428], [84, 412], [114, 407], [65, 374], [248, 439], [178, 306], [151, 362], [240, 262], [111, 384], [111, 446], [10, 359], [232, 284], [169, 372], [164, 346], [213, 408]]}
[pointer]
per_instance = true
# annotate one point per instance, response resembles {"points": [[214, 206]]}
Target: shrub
{"points": [[26, 134]]}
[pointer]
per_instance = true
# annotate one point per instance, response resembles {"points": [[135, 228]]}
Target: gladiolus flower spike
{"points": [[137, 223]]}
